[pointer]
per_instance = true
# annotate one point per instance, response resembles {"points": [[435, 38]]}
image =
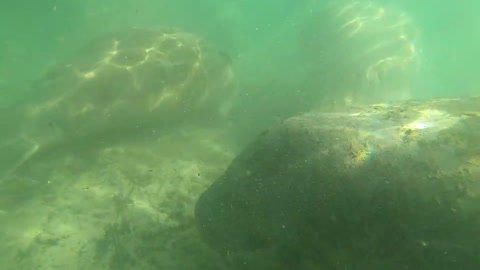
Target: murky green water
{"points": [[105, 150]]}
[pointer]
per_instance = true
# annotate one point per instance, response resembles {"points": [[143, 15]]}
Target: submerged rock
{"points": [[360, 52], [119, 86], [381, 187]]}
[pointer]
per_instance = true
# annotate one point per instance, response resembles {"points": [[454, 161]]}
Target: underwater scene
{"points": [[240, 135]]}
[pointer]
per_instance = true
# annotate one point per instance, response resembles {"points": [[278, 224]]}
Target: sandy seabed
{"points": [[129, 206]]}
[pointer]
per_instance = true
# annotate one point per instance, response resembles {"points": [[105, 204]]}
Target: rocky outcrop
{"points": [[380, 187]]}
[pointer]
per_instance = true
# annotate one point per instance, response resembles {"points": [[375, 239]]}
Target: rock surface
{"points": [[381, 187], [359, 52], [119, 87]]}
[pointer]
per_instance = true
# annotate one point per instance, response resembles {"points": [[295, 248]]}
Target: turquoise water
{"points": [[262, 39], [35, 35], [277, 71]]}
